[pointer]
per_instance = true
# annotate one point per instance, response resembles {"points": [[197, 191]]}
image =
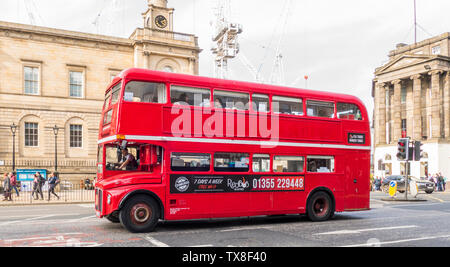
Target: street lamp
{"points": [[13, 131], [55, 132]]}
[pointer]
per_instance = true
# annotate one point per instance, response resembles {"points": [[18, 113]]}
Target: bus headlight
{"points": [[108, 199]]}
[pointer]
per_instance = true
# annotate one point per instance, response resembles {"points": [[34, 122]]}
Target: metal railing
{"points": [[67, 192]]}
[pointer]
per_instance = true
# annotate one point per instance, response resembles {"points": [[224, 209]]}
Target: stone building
{"points": [[56, 77], [412, 99]]}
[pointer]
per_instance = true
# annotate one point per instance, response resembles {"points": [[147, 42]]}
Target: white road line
{"points": [[201, 246], [246, 228], [37, 218], [400, 241], [156, 242], [346, 232]]}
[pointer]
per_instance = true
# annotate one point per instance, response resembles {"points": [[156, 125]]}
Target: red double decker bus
{"points": [[177, 147]]}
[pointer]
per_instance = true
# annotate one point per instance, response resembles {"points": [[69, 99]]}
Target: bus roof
{"points": [[145, 74]]}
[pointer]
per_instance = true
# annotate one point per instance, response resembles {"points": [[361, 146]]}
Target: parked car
{"points": [[422, 184]]}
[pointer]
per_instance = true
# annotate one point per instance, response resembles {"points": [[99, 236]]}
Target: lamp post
{"points": [[13, 131], [55, 132]]}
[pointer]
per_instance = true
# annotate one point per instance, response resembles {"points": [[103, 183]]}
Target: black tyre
{"points": [[429, 191], [320, 207], [140, 214], [113, 217]]}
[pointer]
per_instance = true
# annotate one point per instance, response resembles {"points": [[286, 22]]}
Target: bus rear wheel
{"points": [[320, 207], [140, 214]]}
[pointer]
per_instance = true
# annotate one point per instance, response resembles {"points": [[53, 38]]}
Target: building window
{"points": [[31, 81], [31, 134], [288, 164], [320, 164], [76, 136], [403, 95], [436, 50], [76, 84], [261, 163]]}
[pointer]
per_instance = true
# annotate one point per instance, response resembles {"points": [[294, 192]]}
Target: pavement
{"points": [[386, 224]]}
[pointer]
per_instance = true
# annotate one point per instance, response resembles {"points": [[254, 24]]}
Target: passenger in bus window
{"points": [[183, 100], [218, 103]]}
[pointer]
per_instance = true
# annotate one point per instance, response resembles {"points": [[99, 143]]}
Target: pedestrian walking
{"points": [[6, 188], [53, 181], [441, 182], [13, 180], [37, 186]]}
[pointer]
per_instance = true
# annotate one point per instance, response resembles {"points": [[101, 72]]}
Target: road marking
{"points": [[156, 242], [201, 246], [435, 198], [401, 241], [247, 228], [345, 232]]}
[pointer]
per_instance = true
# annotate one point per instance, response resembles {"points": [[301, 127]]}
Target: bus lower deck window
{"points": [[190, 162], [261, 163], [288, 164], [231, 162], [320, 164]]}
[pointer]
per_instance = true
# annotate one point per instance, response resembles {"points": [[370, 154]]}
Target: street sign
{"points": [[392, 188]]}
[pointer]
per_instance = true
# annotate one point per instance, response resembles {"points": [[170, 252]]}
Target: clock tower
{"points": [[158, 47], [158, 16]]}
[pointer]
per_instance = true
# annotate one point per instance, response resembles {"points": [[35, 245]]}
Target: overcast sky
{"points": [[337, 43]]}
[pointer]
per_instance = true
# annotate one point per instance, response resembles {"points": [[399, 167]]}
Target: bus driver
{"points": [[128, 161]]}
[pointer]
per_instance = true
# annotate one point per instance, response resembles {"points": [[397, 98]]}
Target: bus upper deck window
{"points": [[320, 109], [348, 111], [287, 105], [189, 96], [146, 92], [231, 100], [260, 103], [115, 93]]}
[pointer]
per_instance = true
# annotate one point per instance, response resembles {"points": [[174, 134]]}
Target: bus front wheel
{"points": [[140, 214], [320, 207]]}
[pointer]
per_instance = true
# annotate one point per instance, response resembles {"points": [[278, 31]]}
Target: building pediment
{"points": [[404, 61]]}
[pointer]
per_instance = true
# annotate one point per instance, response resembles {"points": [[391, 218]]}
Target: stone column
{"points": [[380, 113], [447, 104], [435, 104], [417, 109], [397, 106]]}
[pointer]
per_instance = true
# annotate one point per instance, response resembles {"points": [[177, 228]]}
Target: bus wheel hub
{"points": [[140, 213]]}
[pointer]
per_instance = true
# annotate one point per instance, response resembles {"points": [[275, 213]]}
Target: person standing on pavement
{"points": [[6, 188], [37, 186], [53, 181], [13, 180]]}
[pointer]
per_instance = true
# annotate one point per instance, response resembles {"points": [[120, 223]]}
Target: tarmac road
{"points": [[387, 224]]}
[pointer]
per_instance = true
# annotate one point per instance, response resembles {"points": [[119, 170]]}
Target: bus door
{"points": [[354, 181]]}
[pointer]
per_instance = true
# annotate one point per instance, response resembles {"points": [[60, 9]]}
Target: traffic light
{"points": [[403, 149], [418, 152]]}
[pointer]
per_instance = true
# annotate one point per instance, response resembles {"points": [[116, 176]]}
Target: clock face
{"points": [[161, 21]]}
